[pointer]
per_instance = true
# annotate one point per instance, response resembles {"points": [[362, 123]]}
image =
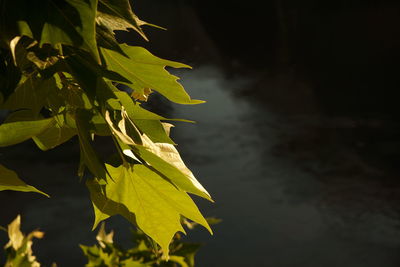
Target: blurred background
{"points": [[298, 143]]}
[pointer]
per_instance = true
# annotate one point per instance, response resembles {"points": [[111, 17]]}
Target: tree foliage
{"points": [[60, 74]]}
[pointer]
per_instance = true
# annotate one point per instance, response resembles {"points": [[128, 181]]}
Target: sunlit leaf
{"points": [[19, 248], [146, 199], [14, 234], [145, 70], [102, 237]]}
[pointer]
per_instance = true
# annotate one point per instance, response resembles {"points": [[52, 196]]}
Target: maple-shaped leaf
{"points": [[146, 71], [147, 200]]}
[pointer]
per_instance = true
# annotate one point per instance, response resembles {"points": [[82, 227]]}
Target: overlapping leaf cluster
{"points": [[60, 71], [144, 253]]}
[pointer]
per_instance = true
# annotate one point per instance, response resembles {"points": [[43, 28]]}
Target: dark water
{"points": [[275, 213]]}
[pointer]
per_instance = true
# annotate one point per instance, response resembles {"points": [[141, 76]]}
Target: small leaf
{"points": [[14, 234], [19, 248], [103, 238], [142, 96], [9, 181]]}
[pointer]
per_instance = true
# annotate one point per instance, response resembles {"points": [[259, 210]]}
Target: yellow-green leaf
{"points": [[147, 200], [144, 70], [16, 132]]}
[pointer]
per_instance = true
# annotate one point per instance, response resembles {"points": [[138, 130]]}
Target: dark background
{"points": [[298, 144]]}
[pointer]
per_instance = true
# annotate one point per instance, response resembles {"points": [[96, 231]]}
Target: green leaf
{"points": [[145, 70], [9, 180], [16, 132], [70, 22], [145, 199]]}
